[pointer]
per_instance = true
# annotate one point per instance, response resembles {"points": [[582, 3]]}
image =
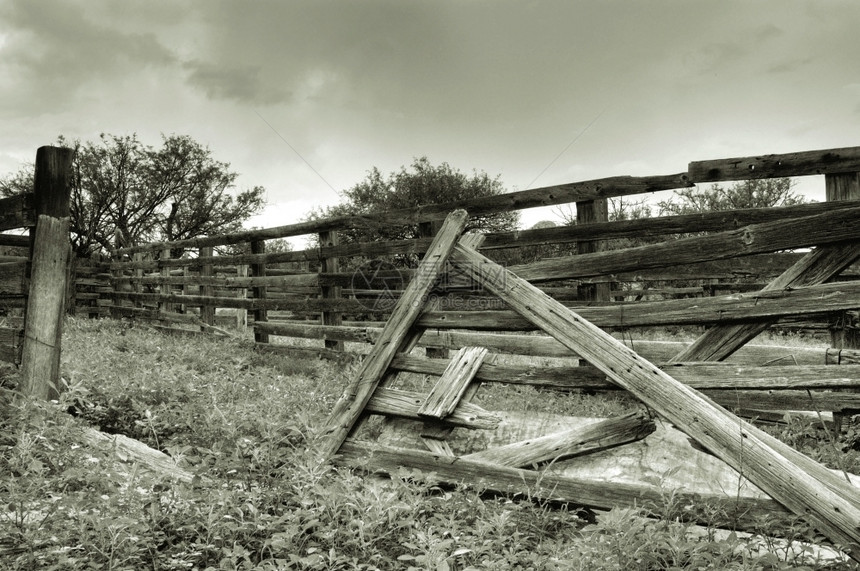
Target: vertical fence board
{"points": [[259, 292], [207, 312], [241, 313], [138, 273], [330, 265], [164, 306]]}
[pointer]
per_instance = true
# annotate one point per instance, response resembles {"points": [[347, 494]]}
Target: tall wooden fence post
{"points": [[588, 211], [845, 329], [207, 312], [328, 266], [43, 327], [258, 270]]}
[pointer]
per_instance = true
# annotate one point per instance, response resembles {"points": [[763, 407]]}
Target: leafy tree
{"points": [[760, 193], [419, 185], [125, 193]]}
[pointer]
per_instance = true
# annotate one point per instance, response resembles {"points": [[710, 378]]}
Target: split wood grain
{"points": [[351, 404], [597, 436], [835, 513], [40, 358], [446, 392]]}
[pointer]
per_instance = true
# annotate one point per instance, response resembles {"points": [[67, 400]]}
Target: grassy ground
{"points": [[247, 423]]}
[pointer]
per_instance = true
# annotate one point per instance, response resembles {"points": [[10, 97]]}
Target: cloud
{"points": [[238, 83], [53, 51]]}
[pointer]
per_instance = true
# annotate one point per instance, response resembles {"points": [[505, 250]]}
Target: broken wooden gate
{"points": [[787, 477]]}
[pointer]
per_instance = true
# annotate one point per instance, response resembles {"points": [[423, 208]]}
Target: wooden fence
{"points": [[33, 287], [697, 270]]}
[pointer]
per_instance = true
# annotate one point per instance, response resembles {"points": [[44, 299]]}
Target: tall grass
{"points": [[246, 424]]}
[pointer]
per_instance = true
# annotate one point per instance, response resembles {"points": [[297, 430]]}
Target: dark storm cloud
{"points": [[53, 49]]}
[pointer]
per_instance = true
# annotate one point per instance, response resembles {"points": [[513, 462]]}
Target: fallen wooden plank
{"points": [[834, 511], [131, 450], [605, 491], [666, 457], [599, 435], [351, 404], [459, 372]]}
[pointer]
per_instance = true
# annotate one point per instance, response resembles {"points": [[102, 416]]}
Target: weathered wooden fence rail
{"points": [[705, 270], [34, 286]]}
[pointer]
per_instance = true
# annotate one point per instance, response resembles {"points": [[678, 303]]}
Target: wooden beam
{"points": [[825, 161], [351, 404], [835, 510], [207, 312], [259, 293], [14, 240], [541, 345], [719, 221], [13, 279], [845, 329]]}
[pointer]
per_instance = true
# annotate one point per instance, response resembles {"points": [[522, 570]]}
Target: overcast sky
{"points": [[304, 97]]}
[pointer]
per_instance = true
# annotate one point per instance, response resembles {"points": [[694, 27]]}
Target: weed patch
{"points": [[245, 423]]}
